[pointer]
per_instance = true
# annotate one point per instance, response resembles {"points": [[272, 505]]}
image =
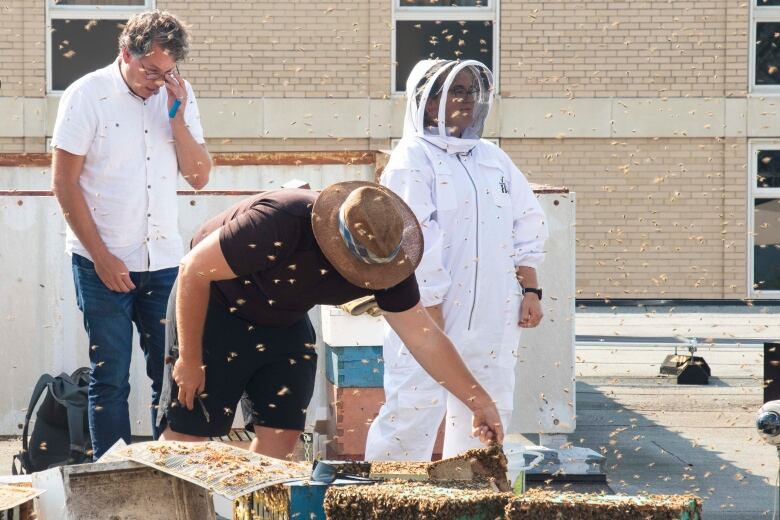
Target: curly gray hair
{"points": [[155, 27]]}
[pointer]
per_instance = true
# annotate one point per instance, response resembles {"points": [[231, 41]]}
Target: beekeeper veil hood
{"points": [[448, 103]]}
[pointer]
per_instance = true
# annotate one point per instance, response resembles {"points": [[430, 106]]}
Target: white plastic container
{"points": [[516, 465]]}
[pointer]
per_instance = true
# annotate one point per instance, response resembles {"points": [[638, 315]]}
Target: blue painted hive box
{"points": [[294, 500], [355, 367]]}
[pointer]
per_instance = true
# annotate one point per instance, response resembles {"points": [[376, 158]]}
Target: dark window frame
{"points": [[82, 14], [765, 195], [763, 79], [402, 13]]}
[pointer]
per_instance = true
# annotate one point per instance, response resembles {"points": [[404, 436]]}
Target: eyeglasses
{"points": [[462, 92], [156, 75]]}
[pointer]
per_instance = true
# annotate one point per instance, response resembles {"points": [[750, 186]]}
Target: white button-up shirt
{"points": [[130, 168]]}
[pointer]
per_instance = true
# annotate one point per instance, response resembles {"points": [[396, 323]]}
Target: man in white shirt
{"points": [[122, 134]]}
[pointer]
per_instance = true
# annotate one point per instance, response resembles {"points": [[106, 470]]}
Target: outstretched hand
{"points": [[486, 424]]}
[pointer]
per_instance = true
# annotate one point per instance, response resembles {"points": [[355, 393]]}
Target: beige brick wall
{"points": [[341, 48], [735, 48], [290, 145], [295, 49], [379, 48], [735, 210], [12, 59], [37, 145], [34, 48], [641, 48], [655, 218], [298, 48], [22, 58]]}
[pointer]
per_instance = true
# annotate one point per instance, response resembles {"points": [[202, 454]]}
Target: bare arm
{"points": [[436, 314], [201, 266], [66, 168], [193, 157], [437, 355]]}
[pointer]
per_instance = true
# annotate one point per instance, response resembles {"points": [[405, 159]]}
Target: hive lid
{"points": [[223, 469], [15, 495]]}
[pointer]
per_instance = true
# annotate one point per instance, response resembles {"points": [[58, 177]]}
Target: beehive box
{"points": [[118, 490], [412, 500], [354, 367], [291, 501], [350, 413], [539, 504]]}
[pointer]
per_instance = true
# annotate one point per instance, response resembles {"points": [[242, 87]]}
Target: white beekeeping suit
{"points": [[480, 220]]}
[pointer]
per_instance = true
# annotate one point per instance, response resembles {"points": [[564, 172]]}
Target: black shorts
{"points": [[271, 370]]}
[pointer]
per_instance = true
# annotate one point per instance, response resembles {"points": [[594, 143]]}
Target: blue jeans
{"points": [[108, 320]]}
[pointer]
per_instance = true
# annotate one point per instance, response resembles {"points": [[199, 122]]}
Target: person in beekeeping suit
{"points": [[484, 237]]}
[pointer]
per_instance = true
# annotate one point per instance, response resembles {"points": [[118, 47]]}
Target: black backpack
{"points": [[60, 434]]}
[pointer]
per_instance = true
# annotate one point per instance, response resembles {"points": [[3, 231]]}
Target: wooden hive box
{"points": [[413, 500], [291, 501], [350, 413], [121, 491], [539, 504]]}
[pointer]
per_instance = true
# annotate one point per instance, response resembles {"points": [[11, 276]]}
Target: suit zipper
{"points": [[476, 242]]}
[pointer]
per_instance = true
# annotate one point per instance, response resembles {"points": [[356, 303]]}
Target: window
{"points": [[446, 29], [764, 241], [765, 46], [82, 36]]}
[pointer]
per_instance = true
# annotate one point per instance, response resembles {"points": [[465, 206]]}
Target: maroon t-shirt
{"points": [[268, 242]]}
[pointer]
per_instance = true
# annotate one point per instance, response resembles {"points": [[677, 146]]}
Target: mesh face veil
{"points": [[448, 102]]}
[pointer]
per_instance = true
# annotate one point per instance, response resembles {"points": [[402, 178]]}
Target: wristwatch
{"points": [[537, 292]]}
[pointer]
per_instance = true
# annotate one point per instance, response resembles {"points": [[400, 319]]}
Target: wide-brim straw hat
{"points": [[325, 223]]}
